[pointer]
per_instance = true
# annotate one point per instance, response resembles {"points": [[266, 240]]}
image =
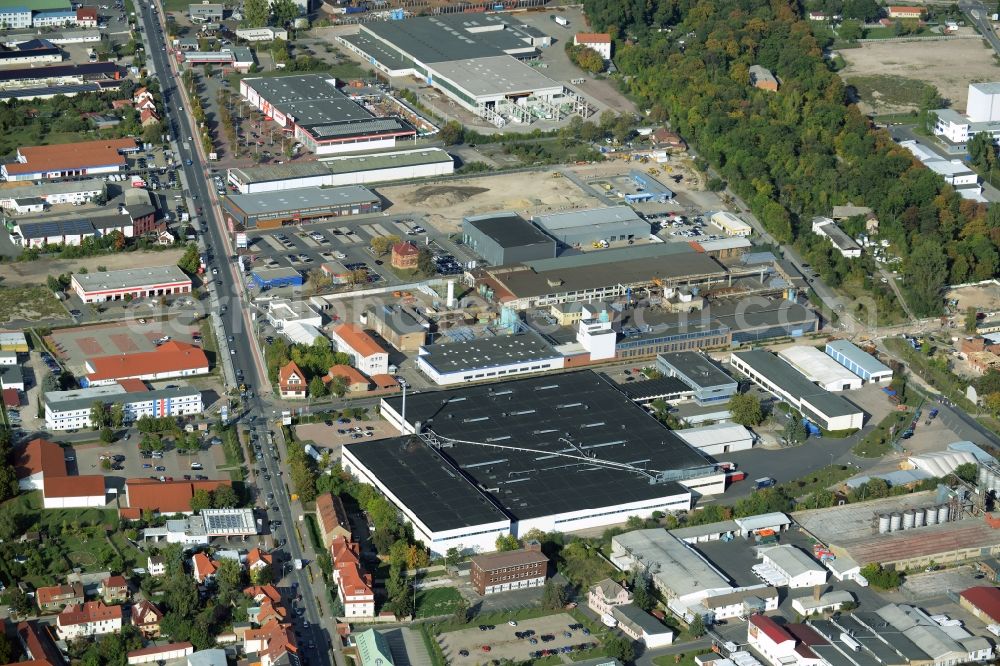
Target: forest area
{"points": [[794, 154]]}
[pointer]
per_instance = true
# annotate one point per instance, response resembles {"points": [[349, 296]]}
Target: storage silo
{"points": [[883, 523], [895, 522], [930, 514], [908, 519], [942, 512], [918, 517]]}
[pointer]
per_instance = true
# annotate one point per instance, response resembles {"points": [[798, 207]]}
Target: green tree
{"points": [[117, 415], [425, 262], [317, 389], [190, 261], [285, 12], [746, 409], [202, 499], [107, 436], [795, 430], [15, 598], [553, 595], [850, 30], [968, 472], [224, 497], [865, 11], [452, 557], [6, 650], [338, 386], [461, 613], [229, 576], [452, 133], [697, 626], [256, 13], [381, 245], [925, 275], [971, 319], [98, 415], [619, 647], [880, 577], [507, 542]]}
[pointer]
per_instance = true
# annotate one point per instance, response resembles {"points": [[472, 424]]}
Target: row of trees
{"points": [[261, 13], [794, 154], [585, 57]]}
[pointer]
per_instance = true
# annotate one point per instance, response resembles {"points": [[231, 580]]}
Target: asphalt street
{"points": [[235, 323]]}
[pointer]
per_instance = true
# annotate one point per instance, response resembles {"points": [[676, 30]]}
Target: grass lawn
{"points": [[34, 303], [685, 658], [889, 33], [314, 535], [818, 480], [888, 89], [53, 519], [436, 601], [879, 441]]}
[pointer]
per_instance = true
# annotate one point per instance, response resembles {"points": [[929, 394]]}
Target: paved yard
{"points": [[75, 345], [503, 645], [930, 585], [328, 437]]}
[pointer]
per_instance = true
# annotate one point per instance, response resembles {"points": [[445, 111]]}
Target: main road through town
{"points": [[316, 630]]}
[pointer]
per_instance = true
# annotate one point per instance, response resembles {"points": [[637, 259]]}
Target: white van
{"points": [[197, 466]]}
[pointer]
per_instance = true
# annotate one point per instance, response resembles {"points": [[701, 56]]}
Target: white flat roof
{"points": [[718, 433], [948, 168], [816, 365], [792, 561], [496, 75], [674, 564]]}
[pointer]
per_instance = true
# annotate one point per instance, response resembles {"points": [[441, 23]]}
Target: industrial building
{"points": [[53, 194], [828, 411], [239, 58], [170, 360], [908, 531], [269, 210], [130, 283], [604, 276], [69, 160], [343, 170], [820, 369], [787, 566], [320, 116], [842, 242], [701, 374], [485, 359], [861, 363], [754, 319], [552, 453], [506, 238], [402, 327], [680, 573], [509, 570], [718, 439], [582, 228], [475, 60], [731, 225], [366, 354], [64, 79], [30, 52], [650, 189]]}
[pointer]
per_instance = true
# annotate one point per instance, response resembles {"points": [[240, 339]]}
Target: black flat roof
{"points": [[84, 69], [576, 414], [509, 230], [654, 388], [425, 482]]}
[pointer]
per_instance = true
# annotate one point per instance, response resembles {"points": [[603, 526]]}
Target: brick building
{"points": [[510, 570]]}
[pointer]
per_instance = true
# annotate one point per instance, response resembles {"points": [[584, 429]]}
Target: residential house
{"points": [[146, 618], [156, 565], [605, 595], [114, 589], [148, 117], [355, 382], [780, 645], [292, 381], [762, 78], [274, 644], [904, 12], [258, 559], [332, 518], [261, 592], [354, 584], [58, 597], [92, 618], [203, 568], [37, 643], [640, 626]]}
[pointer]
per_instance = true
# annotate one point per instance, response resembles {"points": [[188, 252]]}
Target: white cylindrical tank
{"points": [[908, 519], [918, 517], [883, 523], [942, 513], [895, 522], [930, 514]]}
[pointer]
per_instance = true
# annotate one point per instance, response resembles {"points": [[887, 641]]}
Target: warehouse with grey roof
{"points": [[269, 210], [506, 238], [476, 60], [320, 116]]}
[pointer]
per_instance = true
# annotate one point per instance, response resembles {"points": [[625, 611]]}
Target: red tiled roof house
{"points": [[292, 382]]}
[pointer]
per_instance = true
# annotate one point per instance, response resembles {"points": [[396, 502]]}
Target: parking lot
{"points": [[75, 345], [550, 634], [173, 464], [335, 435], [348, 243]]}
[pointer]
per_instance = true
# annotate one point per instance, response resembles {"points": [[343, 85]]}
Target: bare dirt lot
{"points": [[983, 297], [520, 192], [35, 272], [949, 65]]}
